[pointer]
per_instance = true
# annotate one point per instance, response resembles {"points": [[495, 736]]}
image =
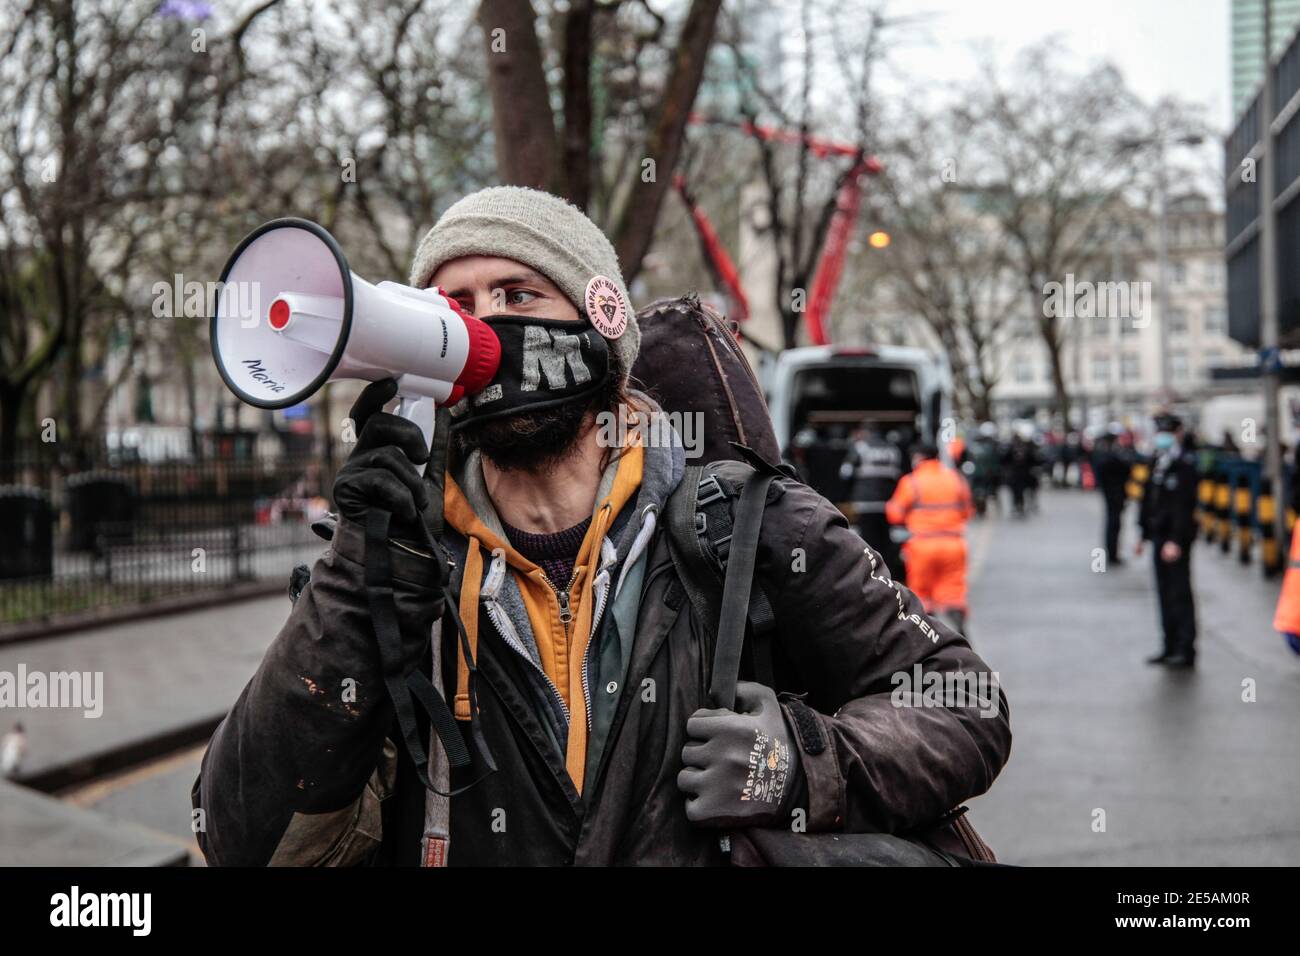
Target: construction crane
{"points": [[830, 260]]}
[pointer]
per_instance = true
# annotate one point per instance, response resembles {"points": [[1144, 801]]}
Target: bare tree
{"points": [[141, 141], [1055, 154], [946, 262], [649, 115], [96, 96], [807, 150]]}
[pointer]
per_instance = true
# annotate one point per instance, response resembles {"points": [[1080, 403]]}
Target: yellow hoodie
{"points": [[561, 644]]}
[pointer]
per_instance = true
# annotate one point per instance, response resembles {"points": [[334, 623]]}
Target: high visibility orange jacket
{"points": [[1287, 617], [932, 500]]}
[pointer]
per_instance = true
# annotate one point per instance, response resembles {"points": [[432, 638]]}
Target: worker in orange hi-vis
{"points": [[1287, 616], [934, 503]]}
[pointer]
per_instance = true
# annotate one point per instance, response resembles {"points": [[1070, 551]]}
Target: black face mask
{"points": [[544, 363]]}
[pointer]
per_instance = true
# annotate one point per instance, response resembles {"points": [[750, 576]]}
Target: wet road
{"points": [[1176, 764]]}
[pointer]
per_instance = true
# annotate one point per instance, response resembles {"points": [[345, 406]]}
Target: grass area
{"points": [[50, 600]]}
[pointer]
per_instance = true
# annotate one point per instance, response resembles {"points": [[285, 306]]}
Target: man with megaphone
{"points": [[579, 726]]}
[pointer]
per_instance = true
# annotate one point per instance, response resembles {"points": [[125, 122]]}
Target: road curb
{"points": [[51, 780], [80, 623]]}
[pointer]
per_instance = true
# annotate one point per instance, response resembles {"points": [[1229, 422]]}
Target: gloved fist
{"points": [[381, 471], [741, 766]]}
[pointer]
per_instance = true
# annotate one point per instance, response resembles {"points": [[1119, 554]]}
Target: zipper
{"points": [[652, 575], [506, 629], [602, 598], [562, 598], [503, 626], [507, 632]]}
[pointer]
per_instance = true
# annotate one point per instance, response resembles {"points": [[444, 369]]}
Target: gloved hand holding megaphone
{"points": [[384, 468], [291, 316]]}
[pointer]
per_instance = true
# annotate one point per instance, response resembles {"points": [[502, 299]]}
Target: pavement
{"points": [[1116, 762], [154, 796], [36, 830], [164, 673], [166, 682]]}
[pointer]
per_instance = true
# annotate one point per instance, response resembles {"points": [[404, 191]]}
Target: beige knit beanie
{"points": [[543, 232]]}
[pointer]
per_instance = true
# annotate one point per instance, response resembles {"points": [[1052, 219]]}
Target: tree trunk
{"points": [[1061, 402], [69, 423], [791, 318], [635, 227], [192, 404], [522, 121], [577, 102], [12, 399]]}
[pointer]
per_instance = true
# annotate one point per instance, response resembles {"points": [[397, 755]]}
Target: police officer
{"points": [[986, 466], [1167, 520], [874, 465], [1111, 463], [1021, 462]]}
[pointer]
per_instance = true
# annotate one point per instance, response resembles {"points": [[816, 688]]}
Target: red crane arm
{"points": [[831, 261], [715, 254]]}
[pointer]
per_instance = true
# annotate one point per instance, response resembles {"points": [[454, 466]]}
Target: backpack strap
{"points": [[702, 538], [736, 591], [715, 528], [409, 687], [693, 570]]}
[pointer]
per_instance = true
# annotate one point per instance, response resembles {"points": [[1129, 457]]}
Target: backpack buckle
{"points": [[714, 490]]}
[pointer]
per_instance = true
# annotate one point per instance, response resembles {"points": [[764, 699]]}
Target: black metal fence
{"points": [[82, 540]]}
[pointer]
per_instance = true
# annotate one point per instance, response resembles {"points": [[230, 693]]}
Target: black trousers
{"points": [[1177, 608], [1114, 515], [1018, 496]]}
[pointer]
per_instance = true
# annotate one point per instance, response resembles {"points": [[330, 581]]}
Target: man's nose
{"points": [[485, 304]]}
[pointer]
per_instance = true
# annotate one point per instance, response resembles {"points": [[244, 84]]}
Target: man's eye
{"points": [[520, 296]]}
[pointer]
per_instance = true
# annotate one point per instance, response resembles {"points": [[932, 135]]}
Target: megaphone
{"points": [[290, 316]]}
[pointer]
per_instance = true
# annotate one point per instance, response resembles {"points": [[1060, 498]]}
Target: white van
{"points": [[820, 394], [1242, 417]]}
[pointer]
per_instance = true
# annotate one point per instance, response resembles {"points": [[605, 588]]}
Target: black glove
{"points": [[381, 471], [741, 767]]}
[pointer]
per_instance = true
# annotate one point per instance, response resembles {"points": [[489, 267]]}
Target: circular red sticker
{"points": [[606, 307]]}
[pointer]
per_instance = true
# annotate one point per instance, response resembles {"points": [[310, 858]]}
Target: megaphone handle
{"points": [[422, 410]]}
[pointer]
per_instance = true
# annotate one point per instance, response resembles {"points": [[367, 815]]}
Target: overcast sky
{"points": [[1162, 46]]}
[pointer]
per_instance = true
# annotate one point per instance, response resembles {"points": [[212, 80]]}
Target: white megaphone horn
{"points": [[291, 316]]}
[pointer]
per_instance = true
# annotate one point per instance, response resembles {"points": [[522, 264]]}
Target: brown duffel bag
{"points": [[690, 364]]}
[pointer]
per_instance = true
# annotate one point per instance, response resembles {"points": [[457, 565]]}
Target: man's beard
{"points": [[537, 440]]}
